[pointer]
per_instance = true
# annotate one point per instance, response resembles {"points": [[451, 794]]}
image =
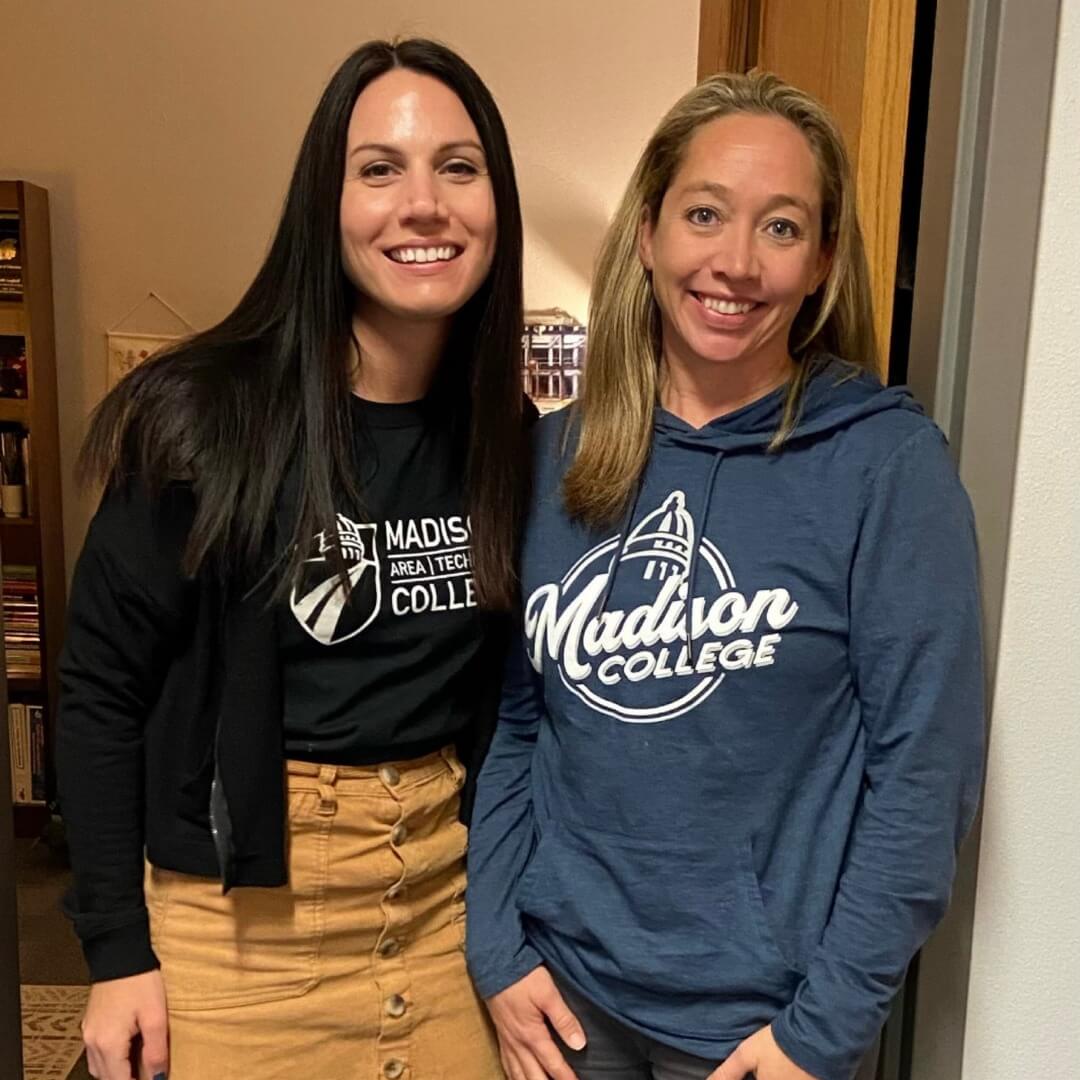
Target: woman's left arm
{"points": [[916, 656]]}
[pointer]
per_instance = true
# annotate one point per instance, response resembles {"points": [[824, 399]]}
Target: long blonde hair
{"points": [[620, 385]]}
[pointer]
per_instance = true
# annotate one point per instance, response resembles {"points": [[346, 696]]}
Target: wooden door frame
{"points": [[728, 35]]}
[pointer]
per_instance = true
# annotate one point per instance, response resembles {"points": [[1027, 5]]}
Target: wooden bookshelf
{"points": [[14, 410], [36, 539]]}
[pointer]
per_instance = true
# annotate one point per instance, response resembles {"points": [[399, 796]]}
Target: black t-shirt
{"points": [[390, 671]]}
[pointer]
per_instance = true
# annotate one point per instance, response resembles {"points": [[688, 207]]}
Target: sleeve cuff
{"points": [[804, 1056], [490, 982], [119, 952]]}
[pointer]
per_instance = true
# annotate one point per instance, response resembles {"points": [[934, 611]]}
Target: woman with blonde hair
{"points": [[741, 734]]}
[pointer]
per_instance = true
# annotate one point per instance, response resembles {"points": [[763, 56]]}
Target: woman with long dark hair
{"points": [[741, 734], [285, 614]]}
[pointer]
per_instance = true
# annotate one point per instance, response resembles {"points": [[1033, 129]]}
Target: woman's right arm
{"points": [[129, 602], [507, 971]]}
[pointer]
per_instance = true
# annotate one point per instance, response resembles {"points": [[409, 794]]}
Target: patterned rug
{"points": [[52, 1041]]}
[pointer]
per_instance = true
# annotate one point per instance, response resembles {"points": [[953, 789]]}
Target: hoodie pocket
{"points": [[678, 918], [758, 909]]}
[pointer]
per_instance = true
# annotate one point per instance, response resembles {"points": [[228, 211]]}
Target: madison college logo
{"points": [[324, 607], [636, 663]]}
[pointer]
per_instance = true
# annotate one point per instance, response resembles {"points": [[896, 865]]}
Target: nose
{"points": [[735, 253], [421, 200]]}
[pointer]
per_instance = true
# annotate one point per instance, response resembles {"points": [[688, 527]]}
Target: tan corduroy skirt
{"points": [[356, 970]]}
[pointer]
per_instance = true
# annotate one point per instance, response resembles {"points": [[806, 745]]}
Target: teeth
{"points": [[726, 307], [423, 255]]}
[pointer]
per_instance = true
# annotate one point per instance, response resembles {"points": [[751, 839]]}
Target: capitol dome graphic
{"points": [[664, 540]]}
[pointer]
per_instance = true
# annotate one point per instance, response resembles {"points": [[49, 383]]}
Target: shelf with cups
{"points": [[32, 572]]}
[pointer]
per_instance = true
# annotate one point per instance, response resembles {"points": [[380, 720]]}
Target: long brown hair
{"points": [[620, 385]]}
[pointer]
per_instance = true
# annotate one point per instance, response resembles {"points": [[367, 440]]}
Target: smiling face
{"points": [[736, 246], [417, 209]]}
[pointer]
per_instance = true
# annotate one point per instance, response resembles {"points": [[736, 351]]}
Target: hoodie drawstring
{"points": [[702, 518]]}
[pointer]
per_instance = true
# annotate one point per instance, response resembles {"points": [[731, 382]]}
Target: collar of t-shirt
{"points": [[393, 414]]}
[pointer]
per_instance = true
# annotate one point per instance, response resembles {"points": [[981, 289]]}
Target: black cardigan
{"points": [[170, 723]]}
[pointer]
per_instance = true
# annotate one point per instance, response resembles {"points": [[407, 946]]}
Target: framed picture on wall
{"points": [[553, 348], [128, 351]]}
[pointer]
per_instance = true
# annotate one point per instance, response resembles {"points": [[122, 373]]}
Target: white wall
{"points": [[1023, 1016], [165, 133]]}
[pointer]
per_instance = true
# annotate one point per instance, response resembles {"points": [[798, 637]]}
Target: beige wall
{"points": [[165, 133], [1024, 996]]}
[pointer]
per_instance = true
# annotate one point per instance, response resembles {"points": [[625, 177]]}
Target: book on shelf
{"points": [[28, 476], [22, 621], [21, 751], [36, 719], [28, 668], [20, 576]]}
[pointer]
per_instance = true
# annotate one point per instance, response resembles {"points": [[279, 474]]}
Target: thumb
{"points": [[736, 1066], [562, 1019]]}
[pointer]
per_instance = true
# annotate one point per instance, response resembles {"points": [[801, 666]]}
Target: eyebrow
{"points": [[386, 148], [720, 191]]}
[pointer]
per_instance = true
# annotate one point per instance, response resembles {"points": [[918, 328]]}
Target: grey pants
{"points": [[616, 1052]]}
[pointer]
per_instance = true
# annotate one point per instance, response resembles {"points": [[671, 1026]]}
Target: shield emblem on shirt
{"points": [[328, 610]]}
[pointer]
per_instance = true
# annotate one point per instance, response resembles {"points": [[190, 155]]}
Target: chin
{"points": [[422, 303], [725, 352], [426, 311]]}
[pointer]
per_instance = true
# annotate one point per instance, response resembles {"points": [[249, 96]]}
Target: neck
{"points": [[398, 357], [699, 392]]}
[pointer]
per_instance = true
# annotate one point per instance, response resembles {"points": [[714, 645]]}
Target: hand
{"points": [[760, 1055], [126, 1028], [527, 1049]]}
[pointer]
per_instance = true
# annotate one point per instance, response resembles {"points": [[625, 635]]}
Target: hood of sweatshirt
{"points": [[837, 396]]}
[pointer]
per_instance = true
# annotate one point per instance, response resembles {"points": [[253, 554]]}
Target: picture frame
{"points": [[553, 351], [127, 351]]}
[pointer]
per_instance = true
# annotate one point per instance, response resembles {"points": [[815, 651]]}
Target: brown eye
{"points": [[702, 215], [783, 230], [459, 167], [377, 170]]}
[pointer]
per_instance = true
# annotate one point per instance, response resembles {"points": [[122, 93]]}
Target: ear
{"points": [[645, 239]]}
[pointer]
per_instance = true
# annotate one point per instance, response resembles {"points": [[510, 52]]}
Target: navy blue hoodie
{"points": [[741, 736]]}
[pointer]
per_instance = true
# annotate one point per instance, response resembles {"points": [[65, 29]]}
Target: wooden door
{"points": [[855, 56]]}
